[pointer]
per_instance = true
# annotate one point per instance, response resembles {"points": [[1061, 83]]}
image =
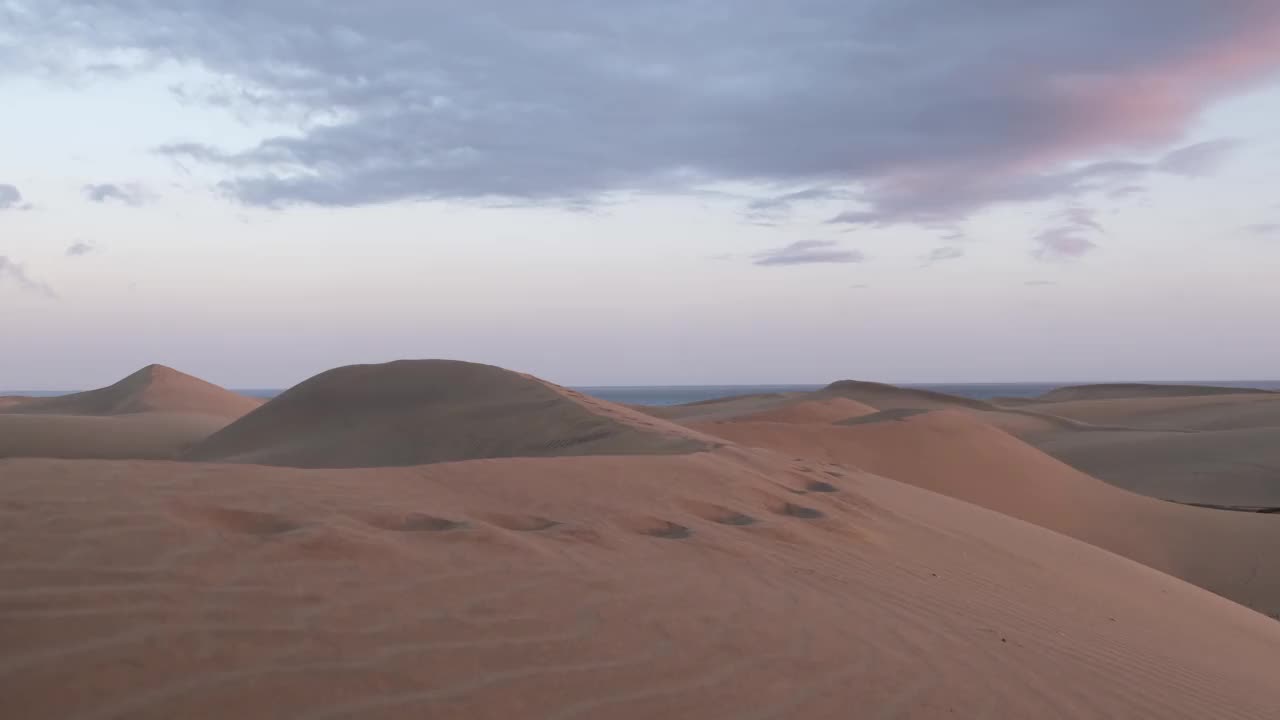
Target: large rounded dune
{"points": [[415, 412]]}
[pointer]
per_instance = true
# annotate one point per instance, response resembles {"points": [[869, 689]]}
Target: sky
{"points": [[616, 193]]}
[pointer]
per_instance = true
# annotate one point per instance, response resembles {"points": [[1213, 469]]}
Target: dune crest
{"points": [[155, 413], [154, 388], [415, 412], [891, 397], [1114, 391]]}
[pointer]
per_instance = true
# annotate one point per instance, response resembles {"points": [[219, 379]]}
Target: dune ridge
{"points": [[154, 413], [954, 453], [415, 412], [1115, 391], [154, 388]]}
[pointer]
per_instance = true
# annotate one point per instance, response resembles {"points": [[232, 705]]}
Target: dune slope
{"points": [[154, 413], [954, 453], [413, 412], [1108, 391], [155, 388], [1225, 467], [727, 584]]}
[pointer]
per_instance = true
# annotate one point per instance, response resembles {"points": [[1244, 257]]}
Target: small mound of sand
{"points": [[1111, 391], [891, 397], [820, 411], [415, 412], [154, 388]]}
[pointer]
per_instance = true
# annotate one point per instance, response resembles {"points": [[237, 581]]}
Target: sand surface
{"points": [[954, 453], [728, 584], [836, 554]]}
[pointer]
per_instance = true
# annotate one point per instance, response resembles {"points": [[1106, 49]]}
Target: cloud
{"points": [[807, 252], [765, 210], [1199, 159], [11, 199], [80, 248], [1039, 283], [942, 254], [130, 194], [1070, 237], [1125, 191], [860, 286], [1264, 229], [566, 101], [942, 199], [15, 273]]}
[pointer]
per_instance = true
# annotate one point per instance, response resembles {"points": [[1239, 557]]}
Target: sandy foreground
{"points": [[734, 570]]}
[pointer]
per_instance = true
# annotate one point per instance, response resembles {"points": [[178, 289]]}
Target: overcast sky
{"points": [[610, 192]]}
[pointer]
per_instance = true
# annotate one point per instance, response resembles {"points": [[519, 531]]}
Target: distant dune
{"points": [[154, 413], [892, 397], [1111, 391], [1223, 467], [956, 454], [812, 411], [413, 412], [155, 388], [1203, 412]]}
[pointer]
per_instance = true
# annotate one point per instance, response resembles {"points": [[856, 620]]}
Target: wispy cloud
{"points": [[808, 252], [769, 210], [131, 194], [1264, 229], [11, 198], [942, 254], [1070, 237], [13, 272], [1039, 283], [80, 248]]}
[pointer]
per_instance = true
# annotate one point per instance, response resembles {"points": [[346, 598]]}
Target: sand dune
{"points": [[155, 413], [152, 435], [155, 388], [1203, 412], [954, 453], [1111, 391], [727, 584], [825, 410], [892, 397], [1225, 467], [414, 412], [724, 408]]}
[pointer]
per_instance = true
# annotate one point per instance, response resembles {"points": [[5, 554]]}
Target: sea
{"points": [[679, 394]]}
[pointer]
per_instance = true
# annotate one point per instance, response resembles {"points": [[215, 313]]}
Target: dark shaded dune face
{"points": [[891, 397], [1112, 391], [415, 412]]}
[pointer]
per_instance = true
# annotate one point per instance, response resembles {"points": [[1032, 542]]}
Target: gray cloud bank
{"points": [[927, 109]]}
